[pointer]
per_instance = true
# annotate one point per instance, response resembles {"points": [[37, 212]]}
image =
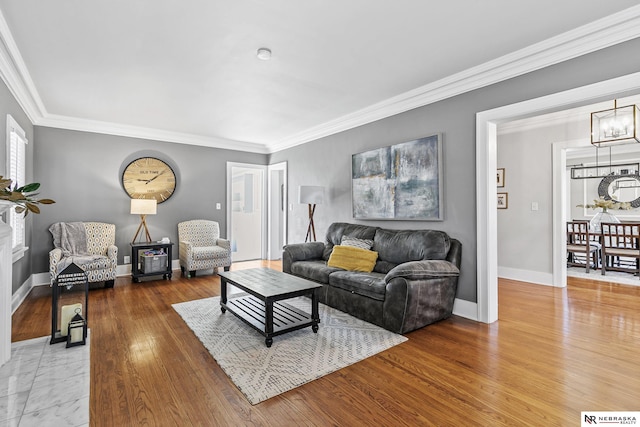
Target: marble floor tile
{"points": [[12, 406], [71, 414], [45, 385], [16, 383], [50, 393], [14, 422]]}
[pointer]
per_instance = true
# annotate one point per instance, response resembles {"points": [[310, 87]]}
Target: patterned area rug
{"points": [[294, 359]]}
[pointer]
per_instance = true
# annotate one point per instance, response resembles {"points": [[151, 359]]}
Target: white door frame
{"points": [[270, 221], [486, 163], [263, 220]]}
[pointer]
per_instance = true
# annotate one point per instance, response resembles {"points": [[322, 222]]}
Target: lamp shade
{"points": [[144, 206], [311, 194]]}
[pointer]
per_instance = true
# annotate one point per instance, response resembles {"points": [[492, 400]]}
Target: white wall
{"points": [[525, 235]]}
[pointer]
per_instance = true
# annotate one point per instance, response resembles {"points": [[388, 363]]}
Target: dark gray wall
{"points": [[81, 171], [8, 105], [326, 161]]}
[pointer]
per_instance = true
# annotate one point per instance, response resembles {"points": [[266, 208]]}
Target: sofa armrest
{"points": [[420, 270], [419, 293], [300, 252], [455, 253], [224, 243]]}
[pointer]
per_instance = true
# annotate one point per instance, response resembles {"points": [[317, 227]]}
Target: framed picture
{"points": [[503, 200], [500, 177], [399, 182]]}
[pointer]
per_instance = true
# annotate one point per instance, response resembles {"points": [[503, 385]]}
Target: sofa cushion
{"points": [[97, 263], [352, 258], [371, 285], [314, 270], [399, 246], [339, 229], [357, 243], [208, 252], [384, 266], [420, 270]]}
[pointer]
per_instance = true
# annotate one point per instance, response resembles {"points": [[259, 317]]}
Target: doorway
{"points": [[256, 210], [486, 207], [246, 224], [277, 210]]}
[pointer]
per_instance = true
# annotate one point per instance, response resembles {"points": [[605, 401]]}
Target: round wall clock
{"points": [[149, 178]]}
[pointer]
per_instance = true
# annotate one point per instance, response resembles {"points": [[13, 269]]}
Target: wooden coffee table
{"points": [[263, 308]]}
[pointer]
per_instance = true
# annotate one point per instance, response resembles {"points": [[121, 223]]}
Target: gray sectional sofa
{"points": [[413, 283]]}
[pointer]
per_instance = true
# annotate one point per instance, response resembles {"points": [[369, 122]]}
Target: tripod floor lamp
{"points": [[311, 195], [143, 207]]}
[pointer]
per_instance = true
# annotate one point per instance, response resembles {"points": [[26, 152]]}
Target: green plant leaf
{"points": [[29, 188]]}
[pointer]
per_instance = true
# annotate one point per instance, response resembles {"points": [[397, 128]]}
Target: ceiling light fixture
{"points": [[615, 126], [264, 53]]}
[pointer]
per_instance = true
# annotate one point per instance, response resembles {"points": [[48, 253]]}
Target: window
{"points": [[16, 171]]}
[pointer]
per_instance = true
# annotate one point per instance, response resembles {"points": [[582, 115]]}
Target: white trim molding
{"points": [[95, 126], [529, 276], [486, 159], [608, 31], [15, 74], [20, 295], [466, 309]]}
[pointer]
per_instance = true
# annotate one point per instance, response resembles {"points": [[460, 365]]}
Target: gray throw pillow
{"points": [[356, 243]]}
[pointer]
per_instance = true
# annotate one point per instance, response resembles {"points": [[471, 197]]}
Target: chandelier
{"points": [[615, 126]]}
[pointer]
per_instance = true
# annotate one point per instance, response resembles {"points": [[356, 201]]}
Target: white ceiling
{"points": [[187, 71]]}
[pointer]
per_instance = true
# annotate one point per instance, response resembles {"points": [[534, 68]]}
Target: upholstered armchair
{"points": [[90, 245], [201, 247]]}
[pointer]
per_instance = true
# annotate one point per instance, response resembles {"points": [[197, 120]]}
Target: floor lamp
{"points": [[143, 207], [312, 196]]}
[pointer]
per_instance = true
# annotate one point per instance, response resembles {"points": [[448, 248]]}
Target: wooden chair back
{"points": [[621, 247], [580, 241]]}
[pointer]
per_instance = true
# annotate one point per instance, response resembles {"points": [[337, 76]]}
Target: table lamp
{"points": [[311, 195], [143, 207]]}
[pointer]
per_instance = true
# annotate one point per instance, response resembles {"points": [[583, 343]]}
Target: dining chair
{"points": [[621, 247], [580, 241]]}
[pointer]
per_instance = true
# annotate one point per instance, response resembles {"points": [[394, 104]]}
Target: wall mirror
{"points": [[621, 188]]}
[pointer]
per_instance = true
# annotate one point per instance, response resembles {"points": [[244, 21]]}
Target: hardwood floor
{"points": [[553, 353]]}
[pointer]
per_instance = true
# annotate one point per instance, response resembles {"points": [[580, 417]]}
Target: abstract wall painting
{"points": [[399, 182]]}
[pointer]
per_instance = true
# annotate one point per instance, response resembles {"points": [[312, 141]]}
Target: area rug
{"points": [[294, 359]]}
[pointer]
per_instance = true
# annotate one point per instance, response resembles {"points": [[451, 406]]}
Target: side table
{"points": [[138, 270]]}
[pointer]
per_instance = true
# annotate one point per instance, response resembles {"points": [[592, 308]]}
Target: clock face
{"points": [[149, 178]]}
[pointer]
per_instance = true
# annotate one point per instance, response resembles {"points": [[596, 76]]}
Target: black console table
{"points": [[141, 267]]}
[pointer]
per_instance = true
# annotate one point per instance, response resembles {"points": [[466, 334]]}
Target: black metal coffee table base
{"points": [[263, 308]]}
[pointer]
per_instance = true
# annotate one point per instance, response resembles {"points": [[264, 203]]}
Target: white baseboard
{"points": [[466, 309], [22, 292], [537, 277], [41, 279]]}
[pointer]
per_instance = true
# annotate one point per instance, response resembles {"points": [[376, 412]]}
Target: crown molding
{"points": [[94, 126], [15, 75], [608, 31]]}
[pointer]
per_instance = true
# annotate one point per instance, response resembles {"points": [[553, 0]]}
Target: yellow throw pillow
{"points": [[352, 259]]}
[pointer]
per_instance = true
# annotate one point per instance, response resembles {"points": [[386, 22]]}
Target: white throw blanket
{"points": [[71, 238]]}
